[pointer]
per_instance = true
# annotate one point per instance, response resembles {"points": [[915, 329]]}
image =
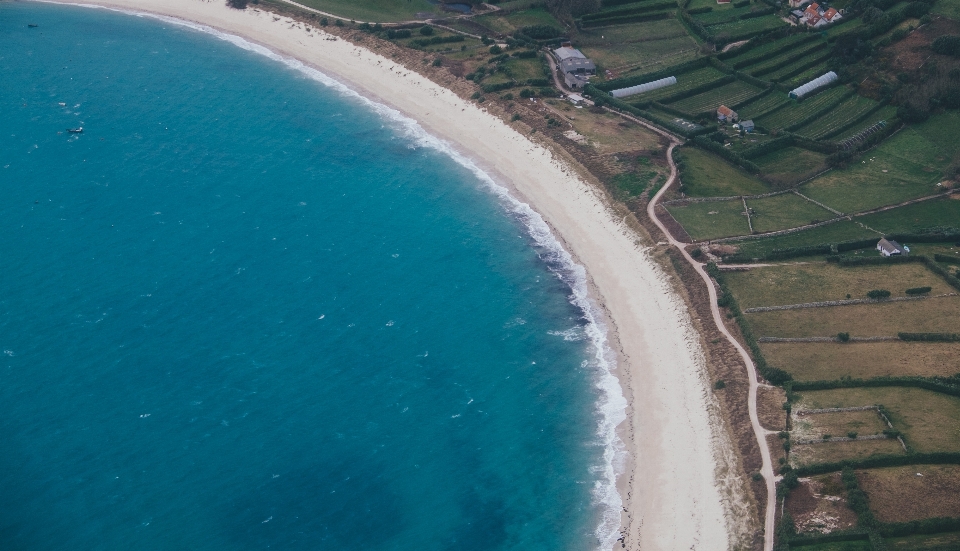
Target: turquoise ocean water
{"points": [[247, 308]]}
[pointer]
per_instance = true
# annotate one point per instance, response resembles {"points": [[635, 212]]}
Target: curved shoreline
{"points": [[673, 499]]}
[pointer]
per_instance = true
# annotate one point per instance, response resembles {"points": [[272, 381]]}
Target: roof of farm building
{"points": [[571, 65], [567, 52]]}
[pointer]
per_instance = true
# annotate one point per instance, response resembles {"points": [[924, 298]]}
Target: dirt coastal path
{"points": [[761, 433]]}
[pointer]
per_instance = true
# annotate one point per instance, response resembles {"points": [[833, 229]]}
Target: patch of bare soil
{"points": [[770, 402], [818, 505]]}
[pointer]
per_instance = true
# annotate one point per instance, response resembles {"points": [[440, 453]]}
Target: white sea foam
{"points": [[611, 404]]}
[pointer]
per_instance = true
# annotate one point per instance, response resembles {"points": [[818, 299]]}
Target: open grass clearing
{"points": [[818, 361], [828, 452], [510, 23], [716, 16], [785, 211], [913, 492], [935, 315], [791, 165], [949, 8], [728, 94], [522, 70], [711, 220], [911, 218], [612, 37], [380, 11], [821, 281], [906, 166], [610, 134], [706, 175], [818, 425], [929, 421], [924, 542]]}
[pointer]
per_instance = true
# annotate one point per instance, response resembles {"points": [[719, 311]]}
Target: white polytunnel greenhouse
{"points": [[818, 82], [645, 87]]}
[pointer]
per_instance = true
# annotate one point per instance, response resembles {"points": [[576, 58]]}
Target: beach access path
{"points": [[676, 481]]}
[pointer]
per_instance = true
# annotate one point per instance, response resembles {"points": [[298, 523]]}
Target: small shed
{"points": [[725, 114], [747, 126], [891, 248]]}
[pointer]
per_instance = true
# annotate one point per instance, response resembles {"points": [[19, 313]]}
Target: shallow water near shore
{"points": [[244, 309]]}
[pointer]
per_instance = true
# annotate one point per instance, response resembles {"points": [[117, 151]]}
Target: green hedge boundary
{"points": [[638, 18], [929, 337], [948, 386], [880, 461]]}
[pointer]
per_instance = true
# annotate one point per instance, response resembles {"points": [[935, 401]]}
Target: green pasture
{"points": [[916, 217], [631, 32], [728, 94], [791, 165], [836, 232], [706, 175], [721, 16], [380, 11], [906, 166], [785, 211], [643, 54], [711, 220], [510, 23], [522, 70]]}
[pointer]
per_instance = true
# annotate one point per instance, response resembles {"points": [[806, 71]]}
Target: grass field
{"points": [[373, 10], [799, 68], [786, 58], [785, 211], [818, 425], [721, 16], [836, 546], [937, 315], [837, 118], [820, 281], [746, 27], [728, 94], [831, 233], [644, 53], [928, 420], [797, 111], [829, 452], [818, 361], [925, 542], [759, 53], [510, 23], [522, 70], [914, 492], [711, 220], [791, 165], [706, 175], [905, 166], [911, 218], [949, 8]]}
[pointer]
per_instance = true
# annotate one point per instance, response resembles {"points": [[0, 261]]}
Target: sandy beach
{"points": [[678, 484]]}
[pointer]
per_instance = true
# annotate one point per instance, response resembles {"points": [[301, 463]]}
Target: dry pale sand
{"points": [[678, 487]]}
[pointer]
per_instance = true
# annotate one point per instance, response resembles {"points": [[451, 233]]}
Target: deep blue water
{"points": [[247, 310]]}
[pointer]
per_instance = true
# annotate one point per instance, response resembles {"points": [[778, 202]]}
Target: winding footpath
{"points": [[761, 434]]}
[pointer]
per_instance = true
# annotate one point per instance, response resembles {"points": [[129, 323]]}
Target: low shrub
{"points": [[948, 44], [843, 337], [918, 290], [426, 30], [878, 294]]}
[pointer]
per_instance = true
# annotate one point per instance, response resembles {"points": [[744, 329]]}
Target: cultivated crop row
{"points": [[795, 112], [763, 105], [685, 81], [730, 94], [837, 118]]}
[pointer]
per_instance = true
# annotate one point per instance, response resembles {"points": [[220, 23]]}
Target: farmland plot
{"points": [[760, 53], [728, 94], [685, 81], [837, 118], [797, 111], [788, 58], [812, 62], [746, 27], [763, 105], [886, 113]]}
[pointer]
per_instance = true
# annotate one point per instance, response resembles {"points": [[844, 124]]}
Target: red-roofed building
{"points": [[832, 15], [725, 114]]}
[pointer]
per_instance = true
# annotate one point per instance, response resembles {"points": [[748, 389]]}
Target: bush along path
{"points": [[766, 470]]}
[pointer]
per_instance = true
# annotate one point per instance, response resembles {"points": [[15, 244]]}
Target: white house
{"points": [[891, 248]]}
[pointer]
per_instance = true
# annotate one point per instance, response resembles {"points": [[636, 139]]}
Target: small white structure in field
{"points": [[645, 87], [818, 82], [891, 248]]}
